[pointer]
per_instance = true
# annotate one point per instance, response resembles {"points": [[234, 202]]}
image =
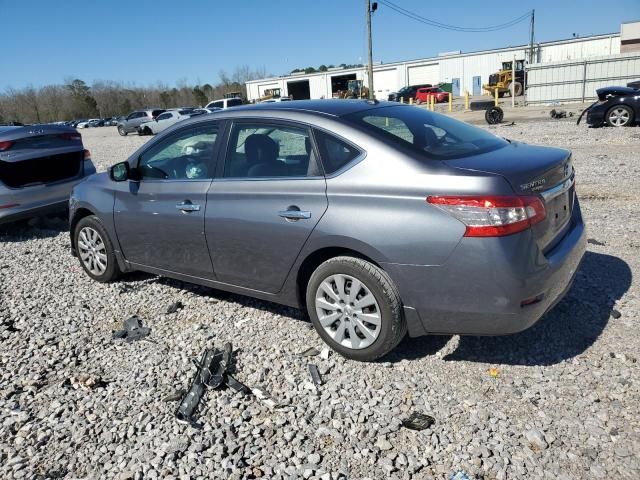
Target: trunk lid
{"points": [[533, 170]]}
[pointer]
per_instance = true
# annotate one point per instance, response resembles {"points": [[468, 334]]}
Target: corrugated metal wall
{"points": [[577, 80]]}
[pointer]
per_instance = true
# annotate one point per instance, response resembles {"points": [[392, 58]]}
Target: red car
{"points": [[423, 94]]}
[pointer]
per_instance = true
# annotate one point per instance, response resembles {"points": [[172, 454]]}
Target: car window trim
{"points": [[214, 157], [347, 166], [276, 121]]}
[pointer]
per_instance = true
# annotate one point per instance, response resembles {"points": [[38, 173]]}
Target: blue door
{"points": [[477, 87], [455, 87]]}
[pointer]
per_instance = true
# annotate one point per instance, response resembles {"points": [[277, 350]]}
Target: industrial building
{"points": [[465, 71]]}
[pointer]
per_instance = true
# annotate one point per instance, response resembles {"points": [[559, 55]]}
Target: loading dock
{"points": [[340, 82], [299, 90]]}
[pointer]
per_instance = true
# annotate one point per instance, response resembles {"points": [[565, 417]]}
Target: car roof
{"points": [[333, 107]]}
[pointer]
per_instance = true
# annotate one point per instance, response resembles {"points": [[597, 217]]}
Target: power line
{"points": [[433, 23]]}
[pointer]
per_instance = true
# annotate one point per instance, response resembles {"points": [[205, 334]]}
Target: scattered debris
{"points": [[593, 241], [309, 352], [418, 421], [265, 398], [237, 385], [324, 354], [315, 374], [615, 314], [133, 330], [174, 396], [174, 307], [494, 372], [211, 371], [558, 114], [263, 374]]}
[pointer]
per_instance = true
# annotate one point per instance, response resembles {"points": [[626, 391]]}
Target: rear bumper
{"points": [[37, 199], [595, 116], [479, 290]]}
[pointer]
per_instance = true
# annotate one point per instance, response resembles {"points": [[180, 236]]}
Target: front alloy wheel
{"points": [[619, 116], [95, 250]]}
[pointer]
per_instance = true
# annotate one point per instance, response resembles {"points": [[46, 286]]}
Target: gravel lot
{"points": [[559, 401]]}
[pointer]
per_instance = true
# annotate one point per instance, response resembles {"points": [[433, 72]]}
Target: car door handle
{"points": [[187, 206], [294, 214]]}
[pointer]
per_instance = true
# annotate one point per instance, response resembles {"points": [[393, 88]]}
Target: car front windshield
{"points": [[433, 135]]}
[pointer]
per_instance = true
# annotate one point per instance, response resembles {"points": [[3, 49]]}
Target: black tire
{"points": [[112, 270], [393, 327], [516, 89], [494, 115], [618, 112], [122, 131]]}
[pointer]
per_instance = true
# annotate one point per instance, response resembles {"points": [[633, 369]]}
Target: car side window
{"points": [[335, 153], [164, 116], [186, 155], [264, 150]]}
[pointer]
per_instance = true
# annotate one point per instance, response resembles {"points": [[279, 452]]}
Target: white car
{"points": [[163, 121], [225, 103], [86, 124]]}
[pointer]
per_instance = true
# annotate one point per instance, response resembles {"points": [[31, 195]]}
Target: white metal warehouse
{"points": [[465, 71]]}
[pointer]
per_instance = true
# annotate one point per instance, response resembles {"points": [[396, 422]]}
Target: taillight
{"points": [[492, 216], [6, 145], [87, 154]]}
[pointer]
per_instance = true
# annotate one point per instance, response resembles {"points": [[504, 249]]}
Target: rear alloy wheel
{"points": [[355, 308], [619, 116], [122, 131], [95, 250]]}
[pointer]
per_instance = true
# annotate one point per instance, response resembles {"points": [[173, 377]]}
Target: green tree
{"points": [[199, 96], [322, 68]]}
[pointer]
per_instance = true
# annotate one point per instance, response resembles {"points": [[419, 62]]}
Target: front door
{"points": [[159, 219], [477, 87], [267, 201], [455, 87]]}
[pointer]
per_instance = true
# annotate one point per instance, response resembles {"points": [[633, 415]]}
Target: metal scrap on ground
{"points": [[418, 421], [132, 331]]}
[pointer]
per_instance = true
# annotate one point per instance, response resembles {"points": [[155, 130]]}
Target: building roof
{"points": [[382, 66]]}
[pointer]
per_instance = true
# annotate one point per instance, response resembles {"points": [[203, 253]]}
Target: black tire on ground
{"points": [[494, 115], [121, 131], [112, 270], [619, 116], [481, 105], [393, 327]]}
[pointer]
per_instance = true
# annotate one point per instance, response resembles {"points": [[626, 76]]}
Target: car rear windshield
{"points": [[433, 135]]}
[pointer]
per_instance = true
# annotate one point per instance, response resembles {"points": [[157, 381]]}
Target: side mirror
{"points": [[119, 172]]}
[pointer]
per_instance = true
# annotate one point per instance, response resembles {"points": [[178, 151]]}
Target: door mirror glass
{"points": [[119, 172]]}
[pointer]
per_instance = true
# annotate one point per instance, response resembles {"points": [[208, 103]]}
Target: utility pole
{"points": [[533, 22], [370, 50]]}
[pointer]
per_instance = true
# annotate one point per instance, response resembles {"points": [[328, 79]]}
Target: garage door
{"points": [[424, 74], [385, 82]]}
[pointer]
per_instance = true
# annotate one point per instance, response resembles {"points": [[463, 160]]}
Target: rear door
{"points": [[267, 201], [160, 218]]}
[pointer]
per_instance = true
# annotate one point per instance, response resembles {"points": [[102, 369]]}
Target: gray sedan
{"points": [[376, 218], [39, 165]]}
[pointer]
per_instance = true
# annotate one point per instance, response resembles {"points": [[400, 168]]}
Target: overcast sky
{"points": [[146, 41]]}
